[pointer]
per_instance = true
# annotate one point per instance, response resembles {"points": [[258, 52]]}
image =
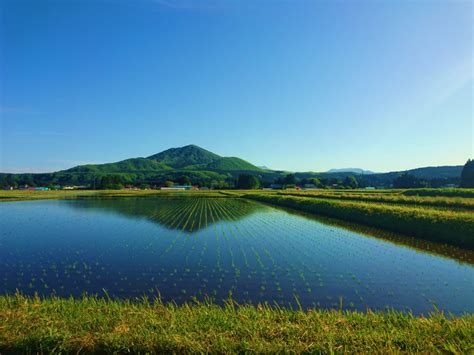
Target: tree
{"points": [[112, 182], [316, 182], [169, 183], [351, 182], [467, 175], [311, 181], [290, 179], [407, 181], [184, 180], [247, 182]]}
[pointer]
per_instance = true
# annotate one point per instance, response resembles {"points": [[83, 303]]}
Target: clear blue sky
{"points": [[296, 85]]}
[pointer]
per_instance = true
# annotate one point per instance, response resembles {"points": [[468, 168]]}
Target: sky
{"points": [[296, 85]]}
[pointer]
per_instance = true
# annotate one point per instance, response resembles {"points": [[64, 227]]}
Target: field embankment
{"points": [[25, 195], [448, 226], [96, 325], [393, 198]]}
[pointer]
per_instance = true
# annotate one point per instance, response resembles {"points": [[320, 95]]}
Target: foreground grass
{"points": [[444, 226], [56, 325]]}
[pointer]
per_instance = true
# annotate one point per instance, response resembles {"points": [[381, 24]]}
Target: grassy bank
{"points": [[86, 325], [445, 226], [393, 199], [25, 195]]}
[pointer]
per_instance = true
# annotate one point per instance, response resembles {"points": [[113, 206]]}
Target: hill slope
{"points": [[187, 156], [232, 164], [128, 165]]}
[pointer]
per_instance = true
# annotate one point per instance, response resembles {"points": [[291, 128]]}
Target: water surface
{"points": [[185, 247]]}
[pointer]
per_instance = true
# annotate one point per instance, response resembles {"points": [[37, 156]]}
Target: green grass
{"points": [[449, 192], [87, 325], [446, 226], [19, 195], [392, 198]]}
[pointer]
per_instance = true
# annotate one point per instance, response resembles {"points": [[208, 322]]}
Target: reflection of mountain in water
{"points": [[189, 214]]}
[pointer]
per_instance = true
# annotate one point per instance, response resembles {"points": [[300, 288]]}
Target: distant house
{"points": [[369, 188], [310, 187], [8, 188], [131, 187], [186, 187], [41, 188], [177, 187]]}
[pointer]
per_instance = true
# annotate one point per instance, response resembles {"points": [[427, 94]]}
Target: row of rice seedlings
{"points": [[273, 272], [383, 257], [306, 283]]}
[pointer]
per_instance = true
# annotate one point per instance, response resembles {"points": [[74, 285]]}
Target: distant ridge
{"points": [[351, 170]]}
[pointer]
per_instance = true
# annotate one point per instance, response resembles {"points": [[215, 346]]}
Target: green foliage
{"points": [[351, 182], [314, 181], [247, 182], [92, 325], [179, 158], [406, 181], [124, 166], [232, 164], [111, 182], [447, 192], [289, 179], [184, 180], [467, 175]]}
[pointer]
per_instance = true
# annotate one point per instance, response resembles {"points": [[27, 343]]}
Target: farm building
{"points": [[178, 187]]}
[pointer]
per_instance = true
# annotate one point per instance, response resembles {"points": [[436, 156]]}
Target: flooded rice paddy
{"points": [[195, 247]]}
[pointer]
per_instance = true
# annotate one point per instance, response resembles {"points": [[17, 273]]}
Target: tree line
{"points": [[214, 180]]}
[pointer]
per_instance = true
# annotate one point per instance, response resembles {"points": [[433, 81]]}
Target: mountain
{"points": [[190, 156], [350, 170]]}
